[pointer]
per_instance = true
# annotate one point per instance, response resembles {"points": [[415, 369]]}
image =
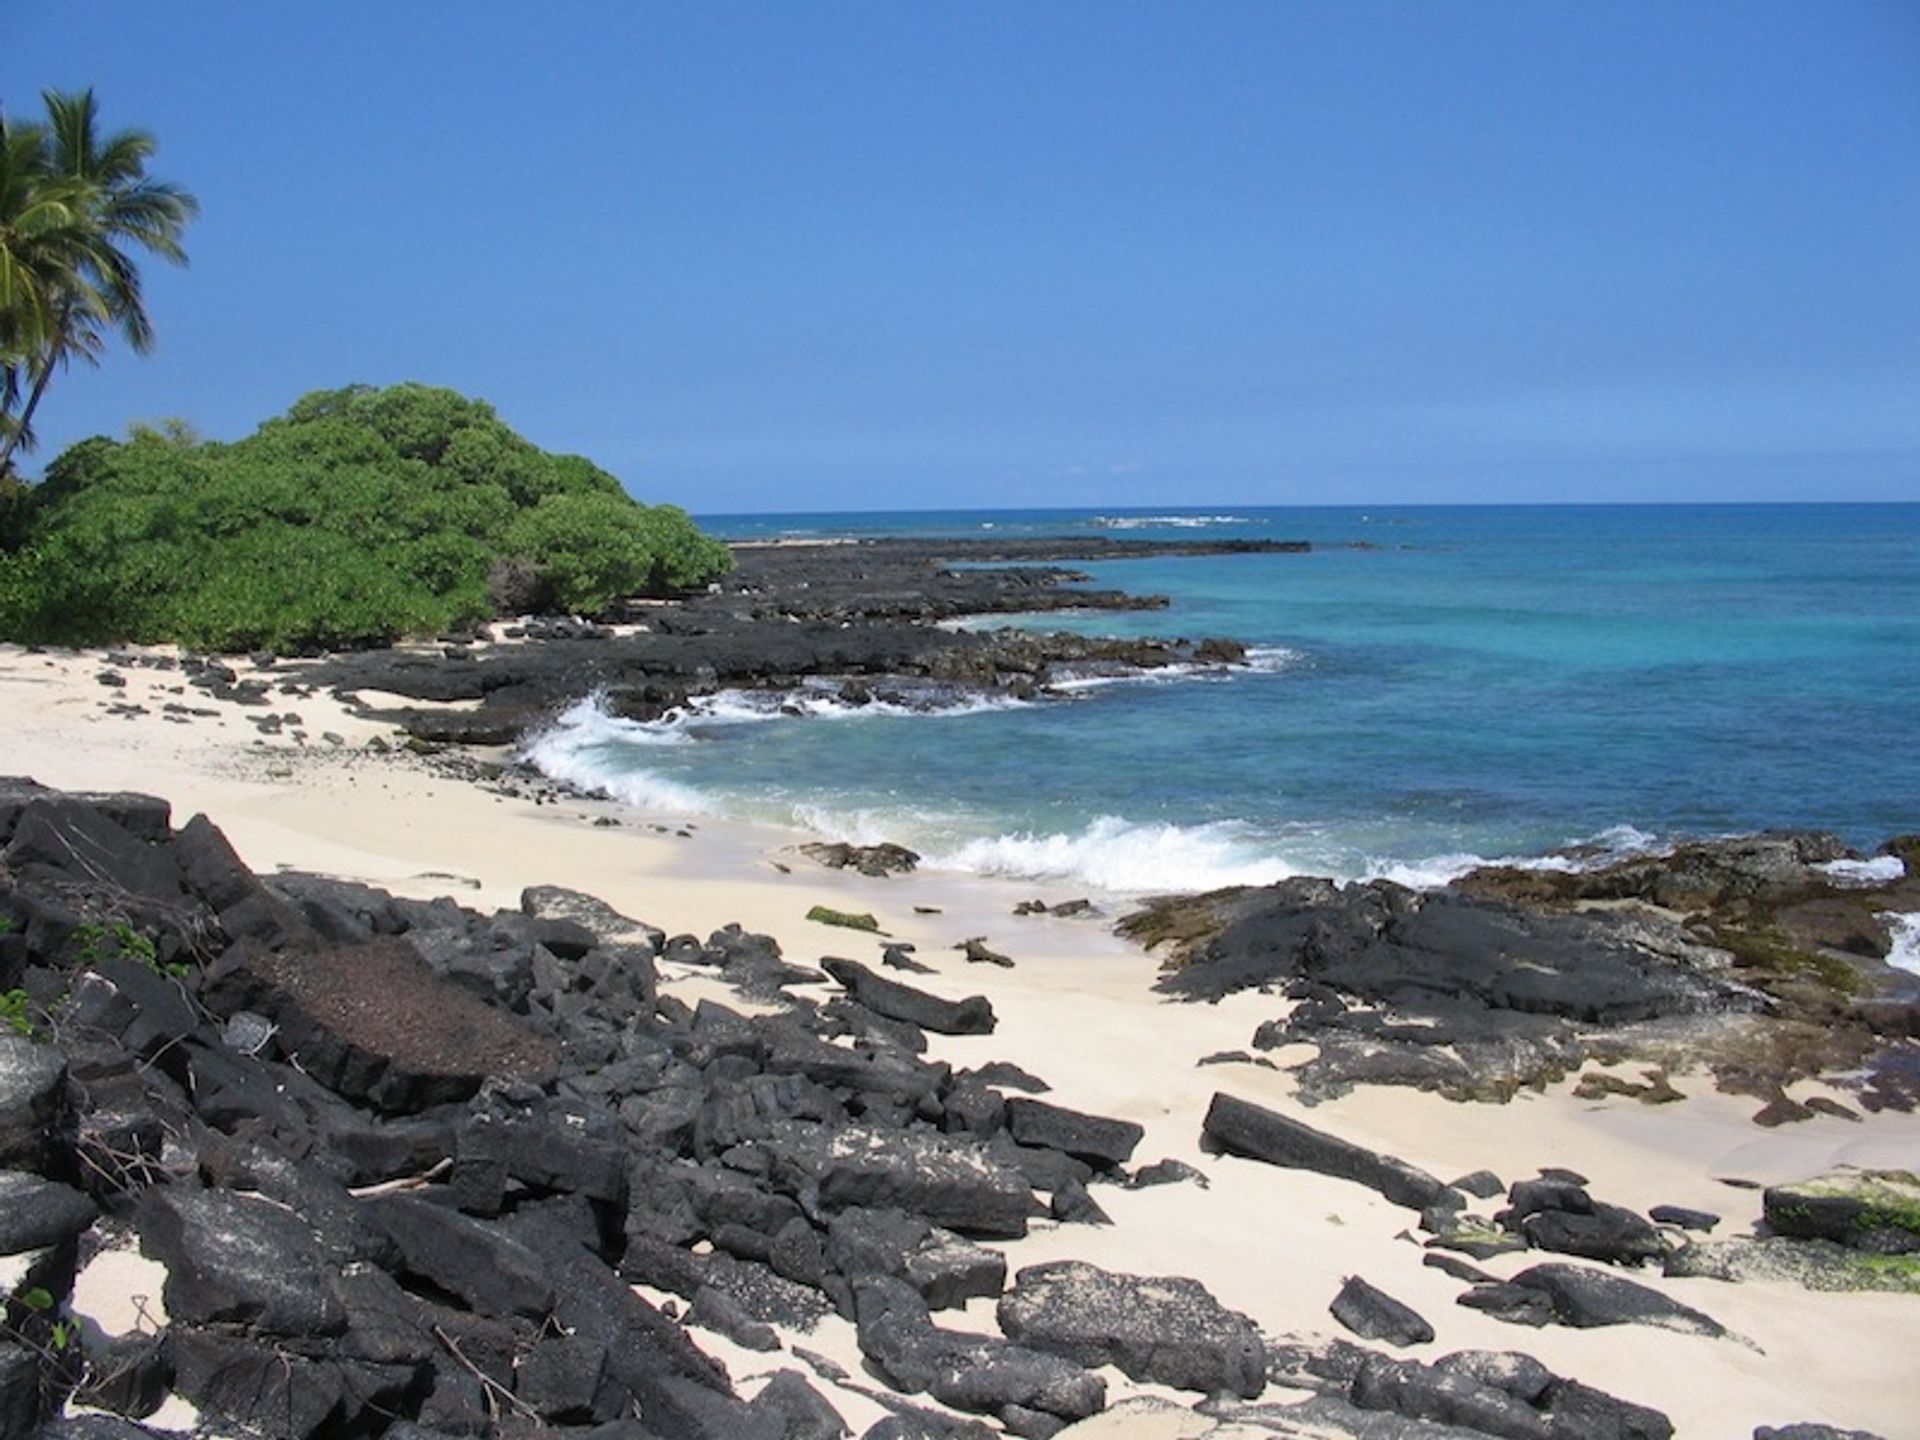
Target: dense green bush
{"points": [[358, 516]]}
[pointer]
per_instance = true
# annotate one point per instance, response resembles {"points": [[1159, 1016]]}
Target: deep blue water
{"points": [[1475, 681]]}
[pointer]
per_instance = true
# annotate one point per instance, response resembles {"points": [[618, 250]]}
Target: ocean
{"points": [[1431, 688]]}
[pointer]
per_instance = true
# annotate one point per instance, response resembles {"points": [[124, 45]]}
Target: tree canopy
{"points": [[359, 516], [74, 205]]}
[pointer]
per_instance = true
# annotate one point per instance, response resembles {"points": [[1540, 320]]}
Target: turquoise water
{"points": [[1461, 683]]}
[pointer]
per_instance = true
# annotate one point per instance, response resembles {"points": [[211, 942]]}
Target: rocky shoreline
{"points": [[405, 1165], [867, 614]]}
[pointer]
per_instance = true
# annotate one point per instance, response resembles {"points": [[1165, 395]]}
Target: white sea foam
{"points": [[1169, 522], [577, 749], [1120, 856], [1877, 871], [1608, 847], [1428, 874], [1271, 659], [1905, 953]]}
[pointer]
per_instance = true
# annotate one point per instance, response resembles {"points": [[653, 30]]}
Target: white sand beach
{"points": [[1078, 1010]]}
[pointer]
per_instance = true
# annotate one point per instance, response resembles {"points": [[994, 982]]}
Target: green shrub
{"points": [[358, 516]]}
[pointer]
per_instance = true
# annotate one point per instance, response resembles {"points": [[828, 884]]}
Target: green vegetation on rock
{"points": [[847, 920], [359, 516]]}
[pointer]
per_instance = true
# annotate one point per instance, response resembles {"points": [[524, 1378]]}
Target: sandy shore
{"points": [[1077, 1009]]}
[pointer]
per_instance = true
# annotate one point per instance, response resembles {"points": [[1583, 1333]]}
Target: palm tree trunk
{"points": [[21, 427]]}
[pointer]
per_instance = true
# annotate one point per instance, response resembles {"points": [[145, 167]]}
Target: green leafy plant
{"points": [[359, 516], [15, 1013]]}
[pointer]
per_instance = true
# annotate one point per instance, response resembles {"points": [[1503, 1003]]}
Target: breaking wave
{"points": [[1169, 522]]}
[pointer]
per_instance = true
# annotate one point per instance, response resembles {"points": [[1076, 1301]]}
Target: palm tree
{"points": [[71, 202]]}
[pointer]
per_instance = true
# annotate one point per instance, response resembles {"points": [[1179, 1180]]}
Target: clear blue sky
{"points": [[891, 255]]}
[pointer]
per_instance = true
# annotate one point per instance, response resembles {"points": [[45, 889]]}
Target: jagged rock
{"points": [[1873, 1210], [374, 1023], [239, 1259], [1168, 1330], [938, 1177], [715, 1310], [484, 1267], [1242, 1128], [1609, 1233], [1805, 1431], [563, 1145], [801, 1410], [1372, 1314], [79, 842], [128, 1374], [978, 953], [971, 1016], [279, 1392], [1515, 1304], [1008, 1076], [1099, 1141], [1481, 1184], [1681, 1216], [900, 957], [968, 1372], [36, 1113], [338, 1221], [1166, 1172], [1073, 1205], [1503, 1395], [35, 1212], [875, 860], [945, 1270], [1586, 1299], [21, 1399]]}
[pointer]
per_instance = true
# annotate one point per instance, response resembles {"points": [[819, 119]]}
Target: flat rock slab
{"points": [[1164, 1329], [1242, 1128], [374, 1023]]}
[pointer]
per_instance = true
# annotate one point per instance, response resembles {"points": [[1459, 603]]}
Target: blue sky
{"points": [[904, 255]]}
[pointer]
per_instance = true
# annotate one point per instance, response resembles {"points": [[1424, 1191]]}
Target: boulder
{"points": [[1587, 1299], [36, 1110], [941, 1178], [1239, 1127], [1167, 1330], [968, 1372], [1093, 1138], [485, 1268], [64, 835], [1494, 1393], [875, 860], [943, 1269], [971, 1016], [35, 1212], [1372, 1314], [1872, 1210], [239, 1259], [1607, 1232], [375, 1024]]}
